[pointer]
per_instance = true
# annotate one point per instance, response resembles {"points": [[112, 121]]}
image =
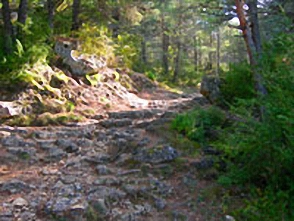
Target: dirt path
{"points": [[124, 166]]}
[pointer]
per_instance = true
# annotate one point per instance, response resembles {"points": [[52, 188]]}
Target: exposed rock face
{"points": [[210, 88]]}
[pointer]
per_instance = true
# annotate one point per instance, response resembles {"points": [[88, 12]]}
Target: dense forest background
{"points": [[246, 47]]}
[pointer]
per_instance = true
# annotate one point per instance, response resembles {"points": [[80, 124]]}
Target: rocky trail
{"points": [[119, 166]]}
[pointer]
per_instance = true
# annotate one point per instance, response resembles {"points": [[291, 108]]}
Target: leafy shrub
{"points": [[127, 49], [261, 153], [197, 124], [267, 205], [190, 76], [151, 75], [17, 65], [96, 40], [27, 52], [237, 83]]}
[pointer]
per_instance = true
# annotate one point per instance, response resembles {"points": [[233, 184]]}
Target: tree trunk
{"points": [[199, 53], [260, 88], [179, 44], [116, 18], [246, 32], [143, 50], [255, 26], [22, 16], [195, 54], [210, 54], [165, 45], [217, 52], [50, 8], [75, 15], [177, 61], [253, 45], [8, 29]]}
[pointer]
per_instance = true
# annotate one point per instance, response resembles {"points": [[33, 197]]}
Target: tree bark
{"points": [[259, 86], [255, 26], [165, 45], [75, 15], [8, 29], [246, 32], [143, 50], [22, 11], [210, 54], [253, 45], [199, 53], [177, 61], [217, 52], [51, 8], [179, 48], [22, 16], [195, 53], [116, 19]]}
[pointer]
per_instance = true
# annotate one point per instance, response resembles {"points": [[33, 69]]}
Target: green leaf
{"points": [[19, 48], [62, 6], [93, 82], [61, 76], [37, 85], [282, 117], [116, 75]]}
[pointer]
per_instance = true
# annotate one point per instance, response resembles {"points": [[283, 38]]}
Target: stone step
{"points": [[64, 132], [145, 123], [116, 123], [138, 114]]}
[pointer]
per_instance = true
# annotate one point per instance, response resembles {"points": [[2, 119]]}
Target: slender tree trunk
{"points": [[210, 54], [179, 48], [257, 42], [177, 61], [75, 14], [102, 7], [116, 18], [217, 52], [143, 50], [246, 32], [143, 45], [253, 45], [22, 17], [8, 29], [195, 53], [51, 8], [255, 26], [22, 11], [165, 45], [199, 53]]}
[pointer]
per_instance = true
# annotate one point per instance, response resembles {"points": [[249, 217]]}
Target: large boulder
{"points": [[210, 88]]}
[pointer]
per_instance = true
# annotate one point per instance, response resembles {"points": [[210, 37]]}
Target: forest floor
{"points": [[125, 165]]}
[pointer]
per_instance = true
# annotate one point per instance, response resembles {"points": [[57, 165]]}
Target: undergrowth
{"points": [[259, 154], [200, 125]]}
